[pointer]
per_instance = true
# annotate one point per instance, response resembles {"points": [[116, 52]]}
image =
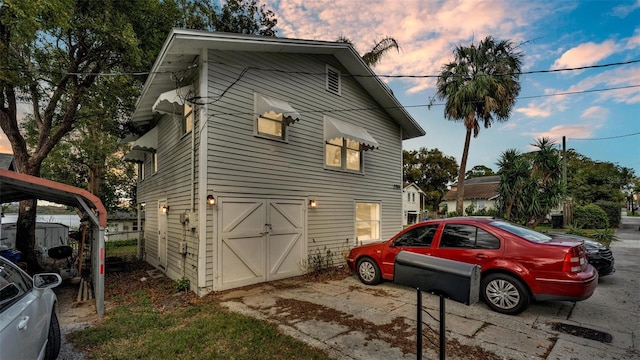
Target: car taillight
{"points": [[575, 260]]}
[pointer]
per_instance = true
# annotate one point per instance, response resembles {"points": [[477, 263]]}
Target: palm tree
{"points": [[480, 85], [373, 56]]}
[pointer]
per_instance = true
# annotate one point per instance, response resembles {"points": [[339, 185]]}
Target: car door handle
{"points": [[481, 256], [22, 325]]}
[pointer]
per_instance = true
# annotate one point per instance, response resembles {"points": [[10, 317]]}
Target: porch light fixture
{"points": [[164, 209], [211, 201], [313, 203]]}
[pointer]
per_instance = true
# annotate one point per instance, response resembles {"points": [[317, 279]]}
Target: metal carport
{"points": [[15, 187]]}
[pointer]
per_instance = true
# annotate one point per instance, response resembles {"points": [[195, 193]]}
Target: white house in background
{"points": [[481, 192], [259, 151], [413, 199]]}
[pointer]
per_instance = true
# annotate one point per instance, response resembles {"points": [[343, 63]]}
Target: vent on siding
{"points": [[333, 80]]}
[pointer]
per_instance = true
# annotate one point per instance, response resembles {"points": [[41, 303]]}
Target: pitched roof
{"points": [[183, 46], [485, 187]]}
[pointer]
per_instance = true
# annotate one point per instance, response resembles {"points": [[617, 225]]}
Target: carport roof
{"points": [[15, 187]]}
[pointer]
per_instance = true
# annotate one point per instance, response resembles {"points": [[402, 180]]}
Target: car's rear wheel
{"points": [[53, 339], [368, 271], [504, 293]]}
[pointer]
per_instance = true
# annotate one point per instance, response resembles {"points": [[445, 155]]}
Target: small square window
{"points": [[344, 154], [271, 126]]}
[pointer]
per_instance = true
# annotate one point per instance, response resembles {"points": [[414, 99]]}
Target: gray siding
{"points": [[241, 163]]}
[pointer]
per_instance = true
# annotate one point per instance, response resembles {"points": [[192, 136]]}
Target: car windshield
{"points": [[521, 231]]}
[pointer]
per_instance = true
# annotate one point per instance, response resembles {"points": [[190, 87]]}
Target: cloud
{"points": [[623, 11], [427, 31], [577, 131], [584, 55], [595, 112], [534, 111]]}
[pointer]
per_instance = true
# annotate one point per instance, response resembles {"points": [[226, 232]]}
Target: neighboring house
{"points": [[260, 151], [412, 204], [481, 192], [123, 225], [7, 162]]}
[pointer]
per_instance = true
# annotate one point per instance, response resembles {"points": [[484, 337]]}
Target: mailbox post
{"points": [[455, 280]]}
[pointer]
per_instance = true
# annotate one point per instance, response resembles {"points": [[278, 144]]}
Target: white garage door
{"points": [[261, 240]]}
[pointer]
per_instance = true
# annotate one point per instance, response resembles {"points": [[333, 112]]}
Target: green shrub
{"points": [[613, 212], [573, 229], [604, 236], [590, 216], [182, 284]]}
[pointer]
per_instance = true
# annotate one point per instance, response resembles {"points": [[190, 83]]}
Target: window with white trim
{"points": [[367, 221], [343, 154], [141, 170], [271, 125]]}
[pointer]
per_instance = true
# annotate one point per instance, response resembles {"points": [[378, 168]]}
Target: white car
{"points": [[29, 326]]}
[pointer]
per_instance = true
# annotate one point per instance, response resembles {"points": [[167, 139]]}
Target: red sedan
{"points": [[518, 264]]}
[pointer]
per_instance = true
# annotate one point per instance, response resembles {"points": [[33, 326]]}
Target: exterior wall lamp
{"points": [[211, 201], [313, 203], [164, 209]]}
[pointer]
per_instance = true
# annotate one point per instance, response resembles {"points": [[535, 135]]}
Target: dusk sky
{"points": [[598, 121], [599, 112]]}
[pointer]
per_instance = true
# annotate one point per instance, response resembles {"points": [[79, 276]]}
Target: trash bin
{"points": [[557, 221], [12, 255]]}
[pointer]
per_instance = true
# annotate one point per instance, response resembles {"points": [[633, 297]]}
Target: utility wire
{"points": [[606, 138], [597, 66]]}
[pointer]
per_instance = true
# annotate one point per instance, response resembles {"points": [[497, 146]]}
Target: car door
{"points": [[417, 239], [23, 320], [468, 243]]}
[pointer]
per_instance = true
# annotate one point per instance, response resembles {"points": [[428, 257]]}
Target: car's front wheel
{"points": [[53, 339], [504, 293], [368, 271]]}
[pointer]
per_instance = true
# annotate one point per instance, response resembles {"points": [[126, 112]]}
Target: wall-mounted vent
{"points": [[333, 80]]}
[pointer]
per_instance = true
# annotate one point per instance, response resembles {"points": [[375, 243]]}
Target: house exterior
{"points": [[413, 199], [260, 151], [481, 192], [122, 225]]}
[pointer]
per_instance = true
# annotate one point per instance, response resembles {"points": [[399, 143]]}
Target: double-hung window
{"points": [[344, 154], [367, 221], [344, 145]]}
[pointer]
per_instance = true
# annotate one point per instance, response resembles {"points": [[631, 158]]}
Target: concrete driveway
{"points": [[353, 321]]}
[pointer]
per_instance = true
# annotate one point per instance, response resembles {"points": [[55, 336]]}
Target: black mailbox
{"points": [[453, 279]]}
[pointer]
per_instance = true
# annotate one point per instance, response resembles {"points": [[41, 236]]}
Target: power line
{"points": [[606, 138], [597, 66]]}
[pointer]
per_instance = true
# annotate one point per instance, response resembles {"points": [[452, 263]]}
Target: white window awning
{"points": [[171, 102], [135, 156], [273, 108], [148, 141], [334, 129]]}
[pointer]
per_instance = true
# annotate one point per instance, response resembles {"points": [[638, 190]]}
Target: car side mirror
{"points": [[46, 281]]}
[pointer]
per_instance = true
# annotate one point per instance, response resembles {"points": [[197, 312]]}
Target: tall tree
{"points": [[530, 184], [479, 86], [377, 52], [478, 171], [431, 170]]}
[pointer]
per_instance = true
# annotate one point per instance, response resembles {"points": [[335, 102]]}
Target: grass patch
{"points": [[125, 249], [149, 320]]}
